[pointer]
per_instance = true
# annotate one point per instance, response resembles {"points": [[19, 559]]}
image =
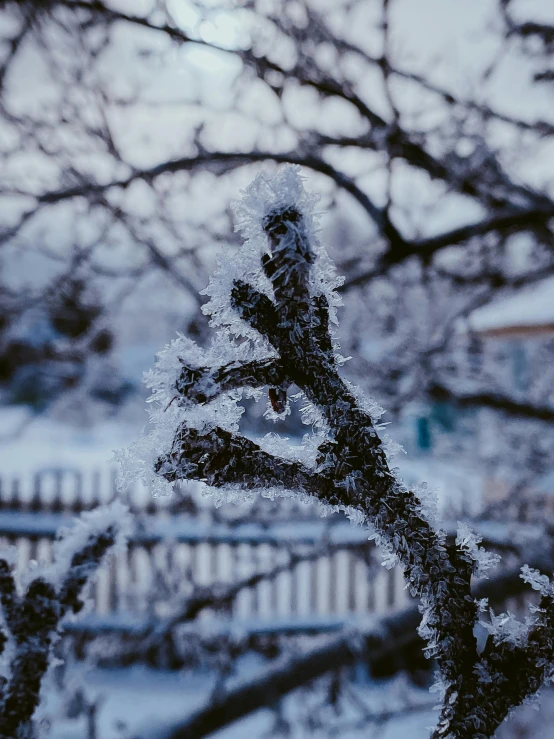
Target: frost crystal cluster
{"points": [[272, 310]]}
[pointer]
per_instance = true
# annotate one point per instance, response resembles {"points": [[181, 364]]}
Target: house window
{"points": [[519, 365], [423, 433], [444, 414]]}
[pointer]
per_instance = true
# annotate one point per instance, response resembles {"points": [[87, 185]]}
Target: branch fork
{"points": [[354, 474]]}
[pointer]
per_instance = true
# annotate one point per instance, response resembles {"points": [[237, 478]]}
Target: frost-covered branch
{"points": [[221, 458], [32, 619], [204, 383], [273, 309]]}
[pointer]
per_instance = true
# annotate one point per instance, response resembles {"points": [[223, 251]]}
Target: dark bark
{"points": [[33, 622]]}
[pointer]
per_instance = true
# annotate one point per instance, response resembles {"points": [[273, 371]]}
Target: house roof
{"points": [[531, 308]]}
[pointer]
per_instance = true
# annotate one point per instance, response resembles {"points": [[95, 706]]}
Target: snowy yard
{"points": [[137, 703]]}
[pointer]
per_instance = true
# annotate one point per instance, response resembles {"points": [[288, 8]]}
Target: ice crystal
{"points": [[440, 686], [310, 414], [368, 404], [537, 580], [469, 541], [483, 673], [428, 501], [280, 446], [506, 628], [392, 448], [482, 604], [272, 415]]}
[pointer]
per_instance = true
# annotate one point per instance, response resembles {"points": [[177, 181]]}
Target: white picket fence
{"points": [[174, 547]]}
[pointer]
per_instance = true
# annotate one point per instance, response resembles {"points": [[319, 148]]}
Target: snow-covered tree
{"points": [[274, 311]]}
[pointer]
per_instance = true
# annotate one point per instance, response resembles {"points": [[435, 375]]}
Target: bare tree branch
{"points": [[33, 621], [521, 409]]}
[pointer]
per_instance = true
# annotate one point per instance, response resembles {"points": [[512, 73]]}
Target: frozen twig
{"points": [[285, 304], [33, 619]]}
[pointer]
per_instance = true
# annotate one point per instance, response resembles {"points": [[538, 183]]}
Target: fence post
{"points": [[77, 504], [371, 592], [113, 484], [314, 569], [294, 588], [113, 589], [151, 507], [57, 504], [333, 578], [352, 580], [274, 597], [391, 589], [95, 498], [35, 504]]}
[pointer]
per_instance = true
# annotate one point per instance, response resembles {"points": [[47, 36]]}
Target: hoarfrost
{"points": [[234, 339], [537, 580], [167, 411], [90, 523], [506, 628], [428, 501], [483, 673], [392, 448], [280, 446], [273, 415], [365, 402], [282, 190], [469, 541], [268, 193]]}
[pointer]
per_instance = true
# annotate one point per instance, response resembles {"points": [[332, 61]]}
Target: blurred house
{"points": [[517, 337], [516, 334], [525, 317], [500, 397]]}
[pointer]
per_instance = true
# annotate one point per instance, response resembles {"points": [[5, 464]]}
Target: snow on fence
{"points": [[338, 581]]}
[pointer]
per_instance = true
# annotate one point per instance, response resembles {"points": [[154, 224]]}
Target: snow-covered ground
{"points": [[141, 703]]}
